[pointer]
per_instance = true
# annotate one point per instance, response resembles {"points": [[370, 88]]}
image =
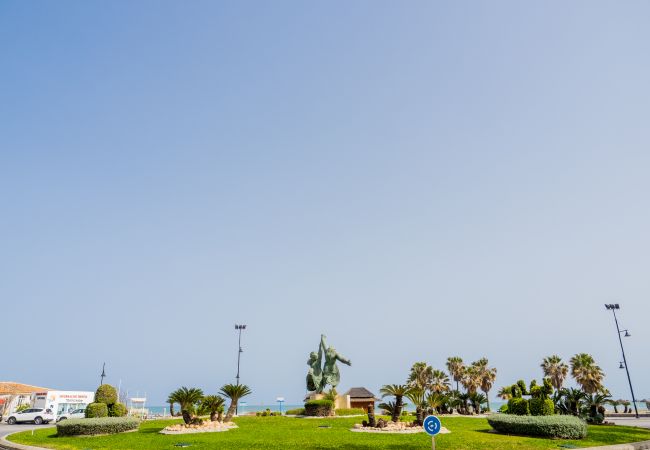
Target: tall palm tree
{"points": [[421, 375], [456, 368], [234, 392], [586, 373], [555, 369], [418, 397], [399, 391], [471, 379], [487, 376], [188, 399], [213, 404], [439, 382]]}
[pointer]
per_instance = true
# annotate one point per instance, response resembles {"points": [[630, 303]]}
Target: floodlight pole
{"points": [[103, 375], [613, 308]]}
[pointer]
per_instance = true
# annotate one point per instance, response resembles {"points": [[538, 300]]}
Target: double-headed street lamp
{"points": [[623, 365], [239, 352]]}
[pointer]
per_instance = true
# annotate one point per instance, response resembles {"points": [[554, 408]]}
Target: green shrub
{"points": [[105, 425], [565, 427], [106, 394], [504, 408], [295, 412], [96, 410], [541, 406], [349, 411], [319, 408], [518, 406], [117, 410]]}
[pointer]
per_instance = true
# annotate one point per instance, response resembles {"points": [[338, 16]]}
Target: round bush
{"points": [[117, 410], [106, 394], [565, 427], [518, 406], [541, 407], [104, 425], [96, 410]]}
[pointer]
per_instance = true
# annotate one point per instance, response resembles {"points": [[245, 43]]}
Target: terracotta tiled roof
{"points": [[9, 387]]}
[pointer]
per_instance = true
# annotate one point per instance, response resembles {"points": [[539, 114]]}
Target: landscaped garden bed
{"points": [[294, 433]]}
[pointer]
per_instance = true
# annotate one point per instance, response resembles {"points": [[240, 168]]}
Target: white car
{"points": [[76, 414], [36, 415]]}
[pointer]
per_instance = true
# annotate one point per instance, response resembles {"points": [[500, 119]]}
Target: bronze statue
{"points": [[317, 378]]}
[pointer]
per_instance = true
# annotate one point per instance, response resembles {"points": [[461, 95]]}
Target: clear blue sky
{"points": [[414, 179]]}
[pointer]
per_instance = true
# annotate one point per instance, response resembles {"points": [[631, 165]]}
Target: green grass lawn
{"points": [[294, 433]]}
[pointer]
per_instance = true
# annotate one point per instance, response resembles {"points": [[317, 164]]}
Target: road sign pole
{"points": [[433, 443]]}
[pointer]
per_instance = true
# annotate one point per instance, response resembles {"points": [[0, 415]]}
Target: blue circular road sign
{"points": [[432, 425]]}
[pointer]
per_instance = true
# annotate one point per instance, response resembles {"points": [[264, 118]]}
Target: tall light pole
{"points": [[103, 375], [239, 352], [613, 308], [239, 328]]}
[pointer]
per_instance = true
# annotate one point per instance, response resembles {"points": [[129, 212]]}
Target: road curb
{"points": [[6, 445]]}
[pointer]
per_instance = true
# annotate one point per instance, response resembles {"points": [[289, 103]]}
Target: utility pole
{"points": [[613, 308]]}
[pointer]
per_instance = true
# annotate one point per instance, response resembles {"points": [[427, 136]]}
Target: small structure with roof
{"points": [[360, 397], [14, 395]]}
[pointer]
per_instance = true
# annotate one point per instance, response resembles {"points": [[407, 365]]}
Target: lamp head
{"points": [[621, 366]]}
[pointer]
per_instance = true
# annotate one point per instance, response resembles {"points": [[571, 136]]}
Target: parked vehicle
{"points": [[36, 415], [76, 414]]}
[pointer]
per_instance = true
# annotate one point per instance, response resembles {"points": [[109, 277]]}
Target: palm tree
{"points": [[487, 376], [477, 400], [595, 403], [461, 400], [421, 375], [417, 396], [436, 401], [399, 391], [505, 393], [439, 382], [471, 379], [171, 401], [389, 408], [571, 400], [586, 373], [555, 369], [455, 367], [213, 404], [187, 398], [234, 392]]}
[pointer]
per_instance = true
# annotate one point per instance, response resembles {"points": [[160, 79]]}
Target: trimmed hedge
{"points": [[565, 427], [295, 412], [104, 425], [96, 410], [321, 408], [117, 410], [541, 406], [518, 406], [106, 394], [349, 411]]}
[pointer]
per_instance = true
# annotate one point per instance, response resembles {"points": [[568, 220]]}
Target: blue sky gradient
{"points": [[414, 179]]}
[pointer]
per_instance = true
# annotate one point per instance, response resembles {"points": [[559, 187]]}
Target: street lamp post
{"points": [[239, 352], [613, 308]]}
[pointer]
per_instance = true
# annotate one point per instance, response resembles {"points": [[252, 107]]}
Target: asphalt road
{"points": [[8, 429], [643, 422]]}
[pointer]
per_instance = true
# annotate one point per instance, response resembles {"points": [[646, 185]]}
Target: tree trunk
{"points": [[418, 415], [220, 416], [171, 409], [397, 412], [231, 411], [615, 409], [187, 417], [213, 416], [487, 399], [371, 415]]}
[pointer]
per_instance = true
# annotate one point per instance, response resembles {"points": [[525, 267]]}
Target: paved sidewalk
{"points": [[643, 422]]}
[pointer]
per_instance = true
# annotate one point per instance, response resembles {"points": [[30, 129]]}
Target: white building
{"points": [[63, 401]]}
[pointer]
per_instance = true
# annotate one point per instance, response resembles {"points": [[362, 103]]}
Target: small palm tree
{"points": [[555, 369], [456, 368], [436, 402], [171, 402], [417, 396], [234, 392], [188, 399], [572, 400], [477, 400], [586, 373], [213, 404], [399, 391], [389, 408], [505, 393]]}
